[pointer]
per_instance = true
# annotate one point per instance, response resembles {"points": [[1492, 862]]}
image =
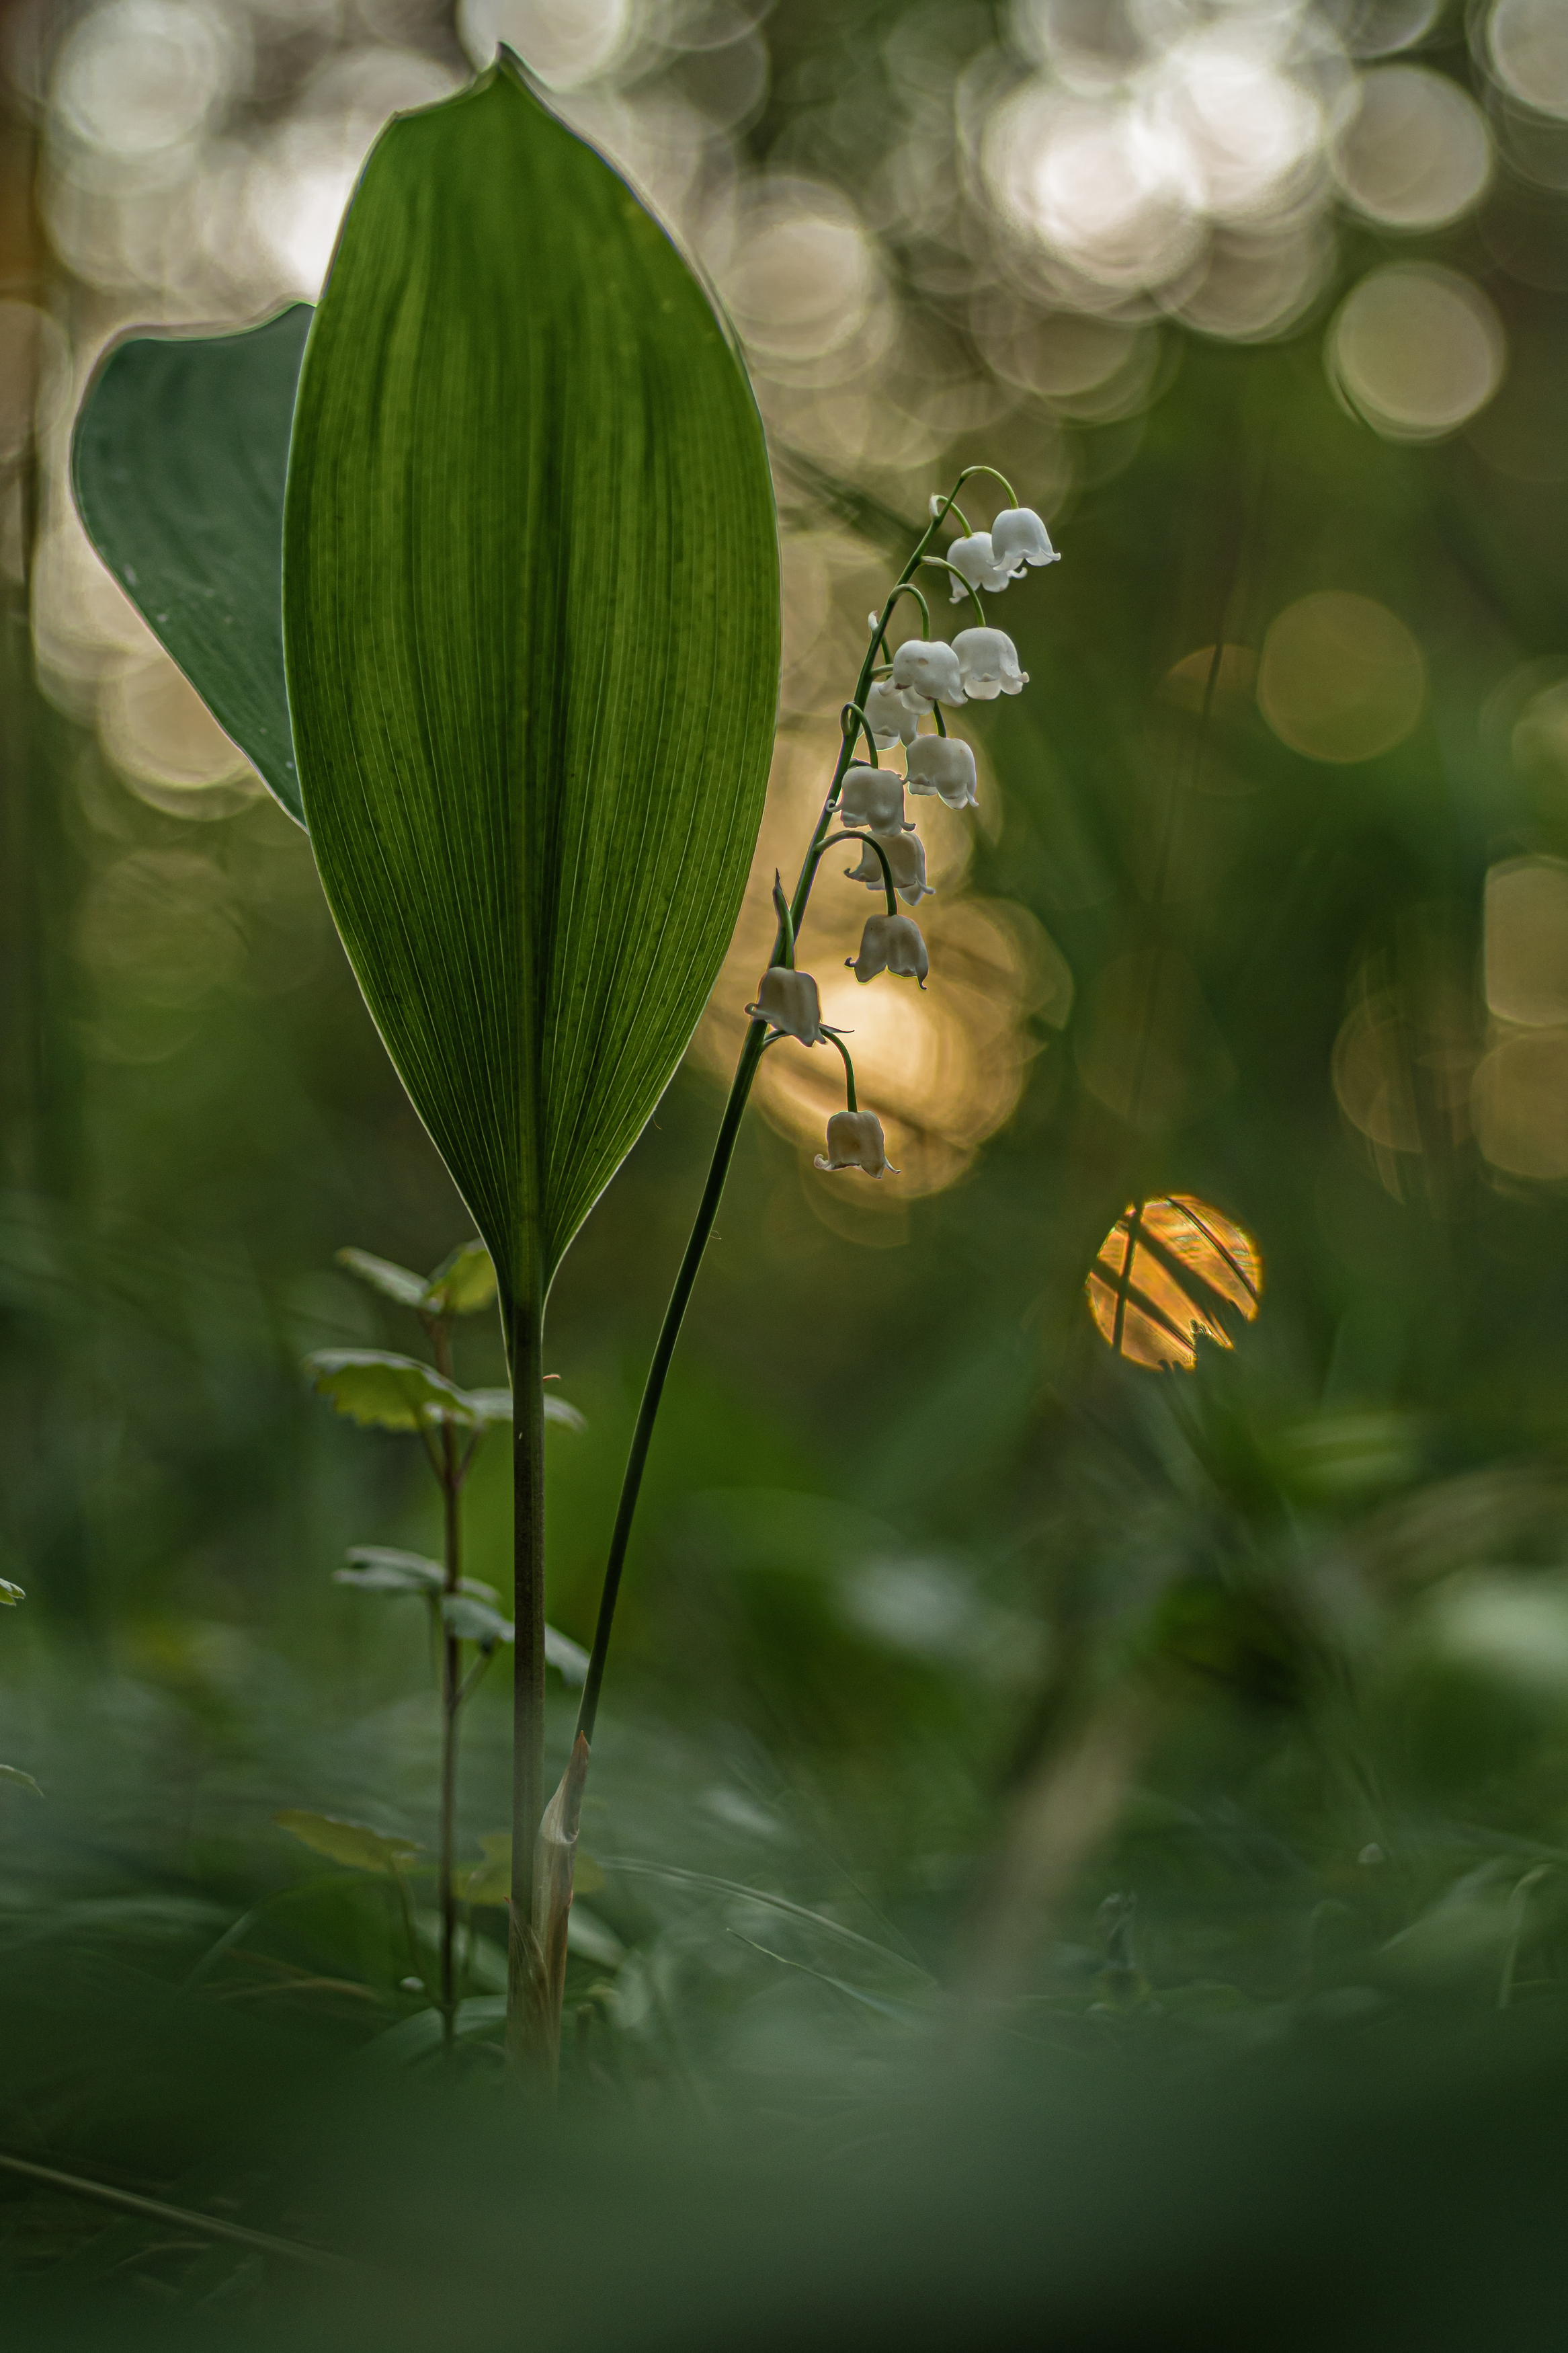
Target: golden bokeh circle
{"points": [[1341, 677], [1163, 1277]]}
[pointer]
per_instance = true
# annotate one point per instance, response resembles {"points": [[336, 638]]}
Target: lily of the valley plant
{"points": [[517, 472]]}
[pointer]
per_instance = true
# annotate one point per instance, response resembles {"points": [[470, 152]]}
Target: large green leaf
{"points": [[178, 462], [531, 614]]}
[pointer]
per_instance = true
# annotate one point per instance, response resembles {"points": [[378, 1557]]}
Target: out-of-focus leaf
{"points": [[403, 2043], [178, 462], [475, 1621], [462, 1284], [386, 1392], [393, 1281], [490, 1881], [591, 1938], [15, 1773], [532, 631], [378, 1568], [10, 1594], [569, 1659], [353, 1844], [491, 1408]]}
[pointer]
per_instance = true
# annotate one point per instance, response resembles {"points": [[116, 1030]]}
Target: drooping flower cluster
{"points": [[866, 801]]}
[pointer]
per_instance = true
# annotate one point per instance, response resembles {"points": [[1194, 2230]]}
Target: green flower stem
{"points": [[869, 841], [848, 1070], [968, 476], [786, 928], [941, 722], [864, 727], [529, 2057], [970, 589], [450, 1475], [707, 1206], [906, 587]]}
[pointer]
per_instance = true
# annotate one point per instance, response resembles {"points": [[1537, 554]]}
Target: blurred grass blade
{"points": [[530, 595], [178, 464], [679, 1876], [158, 2210]]}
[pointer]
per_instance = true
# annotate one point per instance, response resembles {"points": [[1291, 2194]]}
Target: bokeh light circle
{"points": [[1528, 42], [1416, 152], [1519, 1103], [1375, 29], [1341, 678], [142, 75], [1094, 184], [1416, 350], [565, 42], [801, 276], [157, 729], [1165, 1276]]}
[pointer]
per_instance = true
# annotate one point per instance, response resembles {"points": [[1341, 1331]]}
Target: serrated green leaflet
{"points": [[531, 607], [178, 464]]}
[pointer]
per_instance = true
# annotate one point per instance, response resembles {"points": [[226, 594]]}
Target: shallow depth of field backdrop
{"points": [[1264, 304]]}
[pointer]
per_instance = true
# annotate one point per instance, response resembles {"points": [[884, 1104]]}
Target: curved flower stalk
{"points": [[895, 689]]}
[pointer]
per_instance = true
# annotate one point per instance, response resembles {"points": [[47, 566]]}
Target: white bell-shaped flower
{"points": [[1019, 537], [888, 716], [988, 664], [925, 674], [789, 1001], [872, 800], [941, 765], [890, 943], [906, 863], [975, 559], [854, 1140]]}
